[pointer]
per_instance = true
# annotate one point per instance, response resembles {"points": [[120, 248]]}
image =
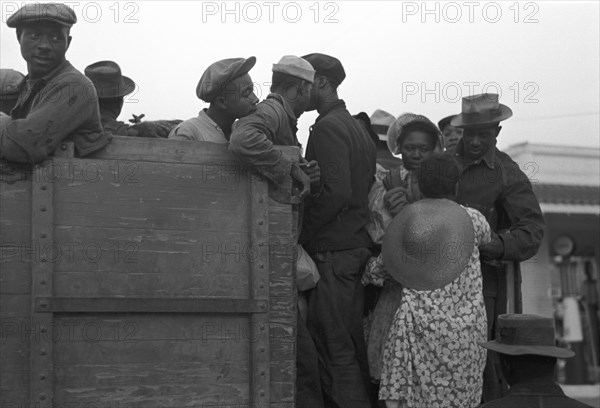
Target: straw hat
{"points": [[428, 244]]}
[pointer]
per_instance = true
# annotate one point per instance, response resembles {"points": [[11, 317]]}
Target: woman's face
{"points": [[416, 147]]}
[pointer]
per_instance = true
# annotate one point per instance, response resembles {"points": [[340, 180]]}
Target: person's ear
{"points": [[498, 129], [69, 38], [220, 102]]}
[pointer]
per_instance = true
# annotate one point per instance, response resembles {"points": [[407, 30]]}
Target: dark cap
{"points": [[36, 13], [445, 122], [519, 334], [327, 66], [219, 74], [9, 83]]}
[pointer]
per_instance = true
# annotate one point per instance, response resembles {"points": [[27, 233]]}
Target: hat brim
{"points": [[244, 68], [126, 87], [520, 350], [428, 244], [463, 120]]}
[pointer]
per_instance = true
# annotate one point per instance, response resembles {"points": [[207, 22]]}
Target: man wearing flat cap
{"points": [[492, 183], [56, 102], [334, 234], [527, 351], [228, 88], [9, 89], [275, 123]]}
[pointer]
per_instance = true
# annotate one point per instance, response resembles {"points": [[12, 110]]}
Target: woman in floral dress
{"points": [[414, 137], [431, 357]]}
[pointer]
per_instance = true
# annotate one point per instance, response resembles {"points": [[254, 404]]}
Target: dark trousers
{"points": [[494, 296], [308, 381], [335, 311]]}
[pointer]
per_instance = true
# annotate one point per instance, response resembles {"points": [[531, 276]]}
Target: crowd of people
{"points": [[393, 320]]}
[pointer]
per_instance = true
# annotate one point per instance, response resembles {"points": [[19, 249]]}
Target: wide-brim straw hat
{"points": [[428, 244]]}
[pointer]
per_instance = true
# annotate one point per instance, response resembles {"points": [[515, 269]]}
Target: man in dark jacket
{"points": [[56, 102], [492, 183], [526, 347], [334, 234]]}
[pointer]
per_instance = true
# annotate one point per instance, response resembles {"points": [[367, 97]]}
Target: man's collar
{"points": [[285, 104], [536, 387], [489, 158], [49, 75], [204, 113], [333, 105]]}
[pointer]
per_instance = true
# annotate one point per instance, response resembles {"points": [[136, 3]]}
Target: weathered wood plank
{"points": [[112, 304]]}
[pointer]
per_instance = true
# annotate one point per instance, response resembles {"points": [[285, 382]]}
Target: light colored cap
{"points": [[381, 122], [295, 66]]}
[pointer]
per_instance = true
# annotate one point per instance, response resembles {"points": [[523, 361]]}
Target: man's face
{"points": [[313, 100], [43, 47], [451, 136], [415, 148], [477, 141], [307, 97], [239, 97]]}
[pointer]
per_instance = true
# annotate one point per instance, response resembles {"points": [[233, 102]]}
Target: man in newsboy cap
{"points": [[56, 102], [334, 234], [526, 347], [493, 183], [228, 88]]}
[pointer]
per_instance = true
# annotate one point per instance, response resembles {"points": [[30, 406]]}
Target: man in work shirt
{"points": [[56, 102], [227, 86], [275, 123], [492, 183]]}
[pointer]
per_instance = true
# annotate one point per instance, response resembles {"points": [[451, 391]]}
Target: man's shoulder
{"points": [[505, 160], [331, 121], [71, 75], [200, 128]]}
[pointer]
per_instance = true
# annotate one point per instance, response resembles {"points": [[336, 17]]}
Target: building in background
{"points": [[562, 280]]}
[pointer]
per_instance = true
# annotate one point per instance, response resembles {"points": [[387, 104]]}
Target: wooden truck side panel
{"points": [[155, 274]]}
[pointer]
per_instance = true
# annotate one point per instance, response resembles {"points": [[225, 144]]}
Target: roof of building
{"points": [[564, 194]]}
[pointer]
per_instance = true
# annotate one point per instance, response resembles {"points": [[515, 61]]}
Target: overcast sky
{"points": [[400, 56]]}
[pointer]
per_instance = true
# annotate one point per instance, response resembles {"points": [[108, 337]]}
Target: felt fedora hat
{"points": [[428, 244], [479, 110], [108, 80], [519, 334]]}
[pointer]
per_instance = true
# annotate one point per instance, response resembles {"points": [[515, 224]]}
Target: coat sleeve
{"points": [[63, 108], [251, 141], [524, 236]]}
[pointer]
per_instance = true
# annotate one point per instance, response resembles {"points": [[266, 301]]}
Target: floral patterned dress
{"points": [[431, 357]]}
